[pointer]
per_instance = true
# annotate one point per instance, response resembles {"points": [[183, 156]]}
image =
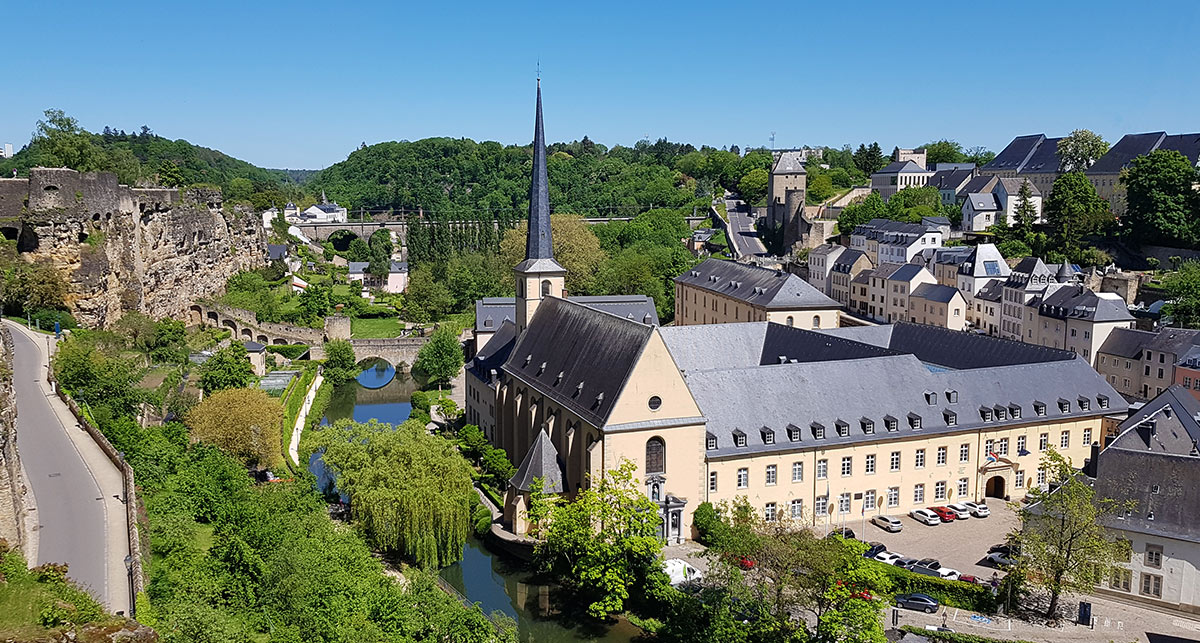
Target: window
{"points": [[939, 490], [914, 421], [1039, 408], [1020, 481], [793, 433], [919, 459], [1002, 447], [712, 442], [870, 465], [985, 414], [545, 287], [1043, 441], [919, 494], [941, 456], [820, 506], [1121, 580], [797, 508], [868, 426], [797, 472], [743, 478], [769, 512], [847, 466], [843, 429], [1020, 444], [893, 496], [1065, 439], [1041, 477], [770, 474], [816, 321], [1087, 437], [869, 500], [790, 321], [894, 464], [1152, 585], [656, 456], [822, 469], [951, 418], [1064, 406], [739, 439], [768, 437], [712, 482], [890, 423], [1154, 555], [654, 403], [844, 503], [964, 452], [963, 487], [1015, 412]]}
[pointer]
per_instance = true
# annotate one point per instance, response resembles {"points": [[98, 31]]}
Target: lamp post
{"points": [[132, 595]]}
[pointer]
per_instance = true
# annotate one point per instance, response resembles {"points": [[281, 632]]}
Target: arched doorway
{"points": [[994, 487]]}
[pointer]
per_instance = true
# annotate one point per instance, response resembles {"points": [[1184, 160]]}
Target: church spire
{"points": [[538, 245]]}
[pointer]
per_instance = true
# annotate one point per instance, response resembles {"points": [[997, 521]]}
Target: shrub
{"points": [[45, 319], [708, 522], [953, 593], [955, 637], [290, 351]]}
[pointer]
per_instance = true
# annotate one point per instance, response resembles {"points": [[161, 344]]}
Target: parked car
{"points": [[888, 557], [905, 562], [925, 516], [920, 602], [978, 509], [961, 511], [944, 513], [844, 532], [931, 563], [948, 574], [874, 549], [970, 578], [888, 523], [924, 571], [1001, 559], [1004, 548]]}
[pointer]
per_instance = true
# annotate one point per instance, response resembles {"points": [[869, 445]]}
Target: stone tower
{"points": [[539, 276]]}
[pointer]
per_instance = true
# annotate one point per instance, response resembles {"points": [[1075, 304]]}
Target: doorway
{"points": [[994, 487]]}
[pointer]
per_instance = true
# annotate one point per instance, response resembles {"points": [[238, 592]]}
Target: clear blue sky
{"points": [[300, 84]]}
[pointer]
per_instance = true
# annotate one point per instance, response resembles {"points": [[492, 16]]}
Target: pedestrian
{"points": [[945, 619]]}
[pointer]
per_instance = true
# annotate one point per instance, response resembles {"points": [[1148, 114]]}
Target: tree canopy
{"points": [[243, 422], [1162, 206], [441, 358], [1073, 211], [1079, 150], [227, 368]]}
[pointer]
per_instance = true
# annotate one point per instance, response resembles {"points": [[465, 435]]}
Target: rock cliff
{"points": [[121, 248], [12, 482]]}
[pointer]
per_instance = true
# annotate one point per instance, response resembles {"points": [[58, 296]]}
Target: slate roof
{"points": [[789, 163], [950, 179], [951, 348], [985, 260], [538, 244], [358, 267], [983, 202], [1015, 154], [1186, 144], [1045, 159], [1078, 302], [329, 208], [692, 347], [770, 289], [880, 228], [1027, 268], [1013, 186], [495, 352], [491, 312], [935, 292], [1125, 150], [579, 356], [901, 167], [907, 272], [1126, 342], [993, 291], [846, 260], [541, 461], [979, 184], [276, 251]]}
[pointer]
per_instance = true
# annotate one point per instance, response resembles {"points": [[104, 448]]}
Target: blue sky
{"points": [[301, 84]]}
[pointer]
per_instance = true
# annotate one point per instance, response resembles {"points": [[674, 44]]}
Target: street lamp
{"points": [[132, 595]]}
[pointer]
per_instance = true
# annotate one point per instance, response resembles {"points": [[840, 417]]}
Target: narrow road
{"points": [[77, 521], [742, 234]]}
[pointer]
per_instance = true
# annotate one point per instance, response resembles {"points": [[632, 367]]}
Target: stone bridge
{"points": [[396, 351], [321, 231], [243, 326]]}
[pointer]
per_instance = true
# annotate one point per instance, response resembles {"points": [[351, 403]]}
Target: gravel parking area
{"points": [[960, 545]]}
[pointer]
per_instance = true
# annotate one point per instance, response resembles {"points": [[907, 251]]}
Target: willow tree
{"points": [[411, 490]]}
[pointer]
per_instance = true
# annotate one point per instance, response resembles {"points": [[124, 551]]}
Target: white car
{"points": [[888, 557], [887, 523], [925, 516], [948, 574], [961, 511], [999, 559], [978, 509]]}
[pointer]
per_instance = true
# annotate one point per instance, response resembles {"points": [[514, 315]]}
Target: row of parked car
{"points": [[949, 513]]}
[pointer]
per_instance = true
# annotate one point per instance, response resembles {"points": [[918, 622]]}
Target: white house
{"points": [[396, 280], [983, 209]]}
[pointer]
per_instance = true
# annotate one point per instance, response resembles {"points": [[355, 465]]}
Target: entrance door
{"points": [[994, 487]]}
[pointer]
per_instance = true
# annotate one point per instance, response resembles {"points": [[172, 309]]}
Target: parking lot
{"points": [[960, 545]]}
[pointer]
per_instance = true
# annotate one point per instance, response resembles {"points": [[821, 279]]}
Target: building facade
{"points": [[722, 292]]}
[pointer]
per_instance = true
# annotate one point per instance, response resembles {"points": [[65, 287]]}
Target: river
{"points": [[495, 582]]}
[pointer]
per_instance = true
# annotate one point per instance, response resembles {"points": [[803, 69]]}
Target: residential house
{"points": [[943, 262], [981, 210], [396, 281], [950, 181], [820, 259], [720, 292], [898, 285], [979, 184], [983, 266], [843, 271], [1142, 364], [987, 305], [938, 305], [888, 241], [1027, 281], [1079, 320], [897, 176]]}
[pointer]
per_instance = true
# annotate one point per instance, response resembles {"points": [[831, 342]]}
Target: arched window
{"points": [[791, 321], [816, 321], [545, 287], [656, 456]]}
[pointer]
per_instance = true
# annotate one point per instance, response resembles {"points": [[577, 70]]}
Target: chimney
{"points": [[1089, 467]]}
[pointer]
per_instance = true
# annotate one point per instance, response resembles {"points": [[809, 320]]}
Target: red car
{"points": [[945, 513]]}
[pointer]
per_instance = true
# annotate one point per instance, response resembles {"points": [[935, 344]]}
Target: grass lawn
{"points": [[375, 328], [22, 321], [341, 289]]}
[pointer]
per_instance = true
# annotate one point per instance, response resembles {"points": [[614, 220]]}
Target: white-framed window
{"points": [[941, 456], [797, 508], [963, 487], [821, 506], [712, 442], [739, 439], [1020, 481], [1043, 441], [822, 469], [769, 512], [1152, 585], [797, 472], [1064, 440], [743, 478], [1041, 477], [869, 500], [1020, 444], [939, 490], [1002, 447], [964, 452], [847, 466], [712, 481], [1122, 579], [989, 446], [770, 474], [894, 461], [870, 463], [1154, 556], [893, 496], [919, 459], [844, 503], [1087, 437], [919, 493]]}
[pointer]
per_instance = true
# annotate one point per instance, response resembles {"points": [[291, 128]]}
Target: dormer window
{"points": [[1064, 405], [793, 433], [710, 441], [843, 428], [1102, 400], [541, 368], [930, 398], [578, 389], [558, 378], [1085, 404], [890, 423], [768, 436], [528, 358], [952, 397], [1039, 408], [1014, 411], [985, 414], [868, 426], [818, 430], [1001, 412], [951, 417], [914, 421], [739, 438]]}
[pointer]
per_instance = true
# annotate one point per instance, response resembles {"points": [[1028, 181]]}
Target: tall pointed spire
{"points": [[538, 245]]}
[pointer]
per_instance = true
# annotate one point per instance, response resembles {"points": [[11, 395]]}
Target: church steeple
{"points": [[539, 276]]}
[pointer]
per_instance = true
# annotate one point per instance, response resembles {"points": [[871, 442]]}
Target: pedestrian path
{"points": [[302, 417]]}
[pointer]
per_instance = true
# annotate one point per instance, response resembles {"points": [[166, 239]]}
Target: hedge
{"points": [[953, 593], [290, 351], [956, 637]]}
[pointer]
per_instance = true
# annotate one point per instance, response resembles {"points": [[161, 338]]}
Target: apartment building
{"points": [[720, 292], [898, 175], [820, 260], [1142, 364], [888, 241], [842, 273], [938, 305]]}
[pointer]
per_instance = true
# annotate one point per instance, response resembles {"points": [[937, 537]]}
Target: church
{"points": [[898, 416]]}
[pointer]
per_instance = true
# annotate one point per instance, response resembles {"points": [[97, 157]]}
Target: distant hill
{"points": [[298, 176]]}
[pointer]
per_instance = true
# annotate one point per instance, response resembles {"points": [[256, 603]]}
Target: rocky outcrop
{"points": [[144, 249], [12, 483]]}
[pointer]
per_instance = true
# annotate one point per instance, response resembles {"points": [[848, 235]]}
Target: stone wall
{"points": [[12, 483], [149, 250]]}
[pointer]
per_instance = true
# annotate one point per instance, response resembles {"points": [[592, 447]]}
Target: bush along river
{"points": [[497, 582]]}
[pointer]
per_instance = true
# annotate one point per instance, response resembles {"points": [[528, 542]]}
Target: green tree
{"points": [[820, 188], [340, 365], [243, 422], [64, 144], [227, 368], [575, 247], [1074, 210], [441, 358], [1161, 202], [856, 214], [239, 189], [869, 159], [944, 151], [314, 301], [1026, 212], [603, 542], [753, 185], [1183, 294], [1079, 150], [1064, 545], [979, 155], [426, 299], [358, 250]]}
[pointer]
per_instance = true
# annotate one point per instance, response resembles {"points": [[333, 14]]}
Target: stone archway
{"points": [[247, 334], [995, 487], [195, 315], [231, 325], [262, 339]]}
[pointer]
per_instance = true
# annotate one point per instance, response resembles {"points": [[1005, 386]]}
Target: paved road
{"points": [[75, 522], [741, 229]]}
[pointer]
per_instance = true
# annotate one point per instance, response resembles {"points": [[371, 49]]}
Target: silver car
{"points": [[978, 509], [961, 510], [925, 516], [888, 523]]}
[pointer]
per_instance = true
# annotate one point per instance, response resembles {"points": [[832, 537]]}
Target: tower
{"points": [[539, 276]]}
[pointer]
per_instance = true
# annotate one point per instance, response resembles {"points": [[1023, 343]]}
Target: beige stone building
{"points": [[933, 303], [842, 273], [1142, 364], [786, 188], [722, 292], [897, 176]]}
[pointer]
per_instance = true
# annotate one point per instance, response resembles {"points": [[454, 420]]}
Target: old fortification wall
{"points": [[12, 483], [121, 248]]}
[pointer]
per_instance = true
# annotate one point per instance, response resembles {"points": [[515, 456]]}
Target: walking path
{"points": [[80, 515], [294, 445]]}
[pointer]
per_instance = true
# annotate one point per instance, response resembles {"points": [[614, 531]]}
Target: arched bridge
{"points": [[243, 326], [395, 351], [363, 229]]}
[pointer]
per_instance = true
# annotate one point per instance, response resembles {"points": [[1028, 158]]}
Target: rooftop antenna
{"points": [[772, 139]]}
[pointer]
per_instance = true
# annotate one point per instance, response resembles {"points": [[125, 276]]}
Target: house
{"points": [[986, 308], [842, 272], [1153, 463], [949, 181], [983, 266], [938, 305], [277, 252], [898, 175], [1080, 320], [720, 292], [898, 285], [396, 281], [257, 355], [820, 260], [888, 241], [943, 262], [298, 285], [1027, 281], [1105, 174], [1008, 193], [978, 184], [1142, 364], [701, 241], [981, 210]]}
